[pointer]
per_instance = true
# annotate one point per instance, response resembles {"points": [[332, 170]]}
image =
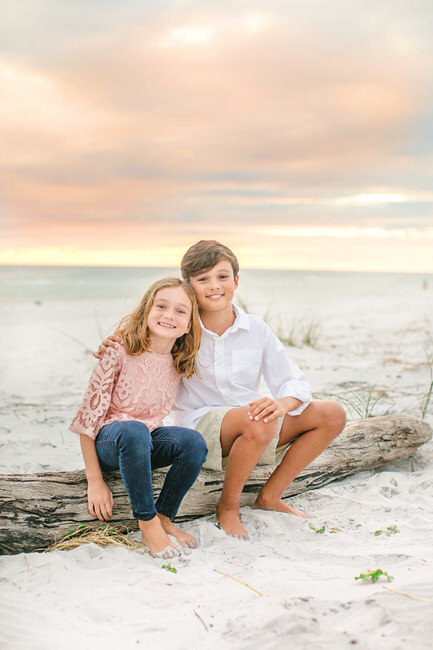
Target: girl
{"points": [[120, 423]]}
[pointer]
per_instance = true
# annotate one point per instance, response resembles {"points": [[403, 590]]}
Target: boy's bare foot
{"points": [[229, 521], [277, 505], [156, 539], [185, 539]]}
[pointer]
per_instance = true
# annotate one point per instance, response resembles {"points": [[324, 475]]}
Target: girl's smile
{"points": [[169, 318]]}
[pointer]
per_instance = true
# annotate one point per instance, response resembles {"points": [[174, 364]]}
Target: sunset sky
{"points": [[299, 133]]}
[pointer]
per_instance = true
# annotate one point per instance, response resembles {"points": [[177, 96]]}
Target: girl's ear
{"points": [[189, 327]]}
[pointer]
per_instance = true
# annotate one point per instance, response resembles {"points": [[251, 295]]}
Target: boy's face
{"points": [[215, 288]]}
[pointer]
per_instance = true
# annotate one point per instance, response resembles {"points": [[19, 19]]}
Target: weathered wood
{"points": [[36, 509]]}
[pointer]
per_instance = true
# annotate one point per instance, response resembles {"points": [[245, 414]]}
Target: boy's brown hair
{"points": [[203, 256]]}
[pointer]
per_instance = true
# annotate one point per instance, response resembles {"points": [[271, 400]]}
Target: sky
{"points": [[299, 133]]}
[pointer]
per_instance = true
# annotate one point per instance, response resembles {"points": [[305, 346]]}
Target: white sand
{"points": [[114, 598]]}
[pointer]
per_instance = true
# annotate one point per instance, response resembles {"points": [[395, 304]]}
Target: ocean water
{"points": [[40, 284]]}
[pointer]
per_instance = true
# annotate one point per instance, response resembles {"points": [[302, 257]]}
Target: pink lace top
{"points": [[127, 387]]}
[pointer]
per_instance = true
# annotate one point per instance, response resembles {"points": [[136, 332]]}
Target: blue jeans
{"points": [[130, 447]]}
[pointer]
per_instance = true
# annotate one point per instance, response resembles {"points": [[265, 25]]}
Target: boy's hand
{"points": [[100, 500], [111, 341], [268, 409]]}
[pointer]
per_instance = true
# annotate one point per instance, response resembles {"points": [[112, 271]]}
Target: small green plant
{"points": [[243, 305], [391, 530], [373, 576], [78, 531], [170, 568], [428, 396], [322, 529], [287, 334], [427, 400], [363, 402], [317, 530], [299, 332], [311, 333]]}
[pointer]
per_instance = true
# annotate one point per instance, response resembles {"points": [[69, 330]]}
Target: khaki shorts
{"points": [[209, 426]]}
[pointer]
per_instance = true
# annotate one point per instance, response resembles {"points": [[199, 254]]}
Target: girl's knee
{"points": [[191, 445], [195, 445], [135, 438]]}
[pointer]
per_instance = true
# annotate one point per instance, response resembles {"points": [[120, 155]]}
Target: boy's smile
{"points": [[215, 288]]}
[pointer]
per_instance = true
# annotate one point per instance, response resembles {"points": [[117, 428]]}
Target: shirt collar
{"points": [[241, 322]]}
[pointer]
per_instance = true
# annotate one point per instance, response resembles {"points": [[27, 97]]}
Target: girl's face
{"points": [[170, 316]]}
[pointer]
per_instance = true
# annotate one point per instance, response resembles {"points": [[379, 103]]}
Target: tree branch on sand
{"points": [[37, 509]]}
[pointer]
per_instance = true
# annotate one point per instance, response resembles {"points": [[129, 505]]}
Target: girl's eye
{"points": [[160, 306]]}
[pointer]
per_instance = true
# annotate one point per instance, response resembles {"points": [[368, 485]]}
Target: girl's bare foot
{"points": [[185, 539], [156, 539], [228, 520], [276, 504]]}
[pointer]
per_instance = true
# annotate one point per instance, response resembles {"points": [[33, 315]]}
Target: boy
{"points": [[222, 402]]}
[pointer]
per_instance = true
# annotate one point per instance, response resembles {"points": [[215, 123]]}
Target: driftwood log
{"points": [[37, 509]]}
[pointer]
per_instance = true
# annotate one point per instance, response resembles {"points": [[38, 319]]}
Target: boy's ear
{"points": [[236, 281]]}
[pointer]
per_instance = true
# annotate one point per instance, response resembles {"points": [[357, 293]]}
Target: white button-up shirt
{"points": [[230, 368]]}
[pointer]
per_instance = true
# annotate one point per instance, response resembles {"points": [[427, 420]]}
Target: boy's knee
{"points": [[335, 416], [260, 432], [339, 415]]}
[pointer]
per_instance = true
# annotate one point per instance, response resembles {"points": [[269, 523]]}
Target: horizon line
{"points": [[246, 268]]}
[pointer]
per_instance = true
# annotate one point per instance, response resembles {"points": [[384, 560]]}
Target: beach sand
{"points": [[298, 586]]}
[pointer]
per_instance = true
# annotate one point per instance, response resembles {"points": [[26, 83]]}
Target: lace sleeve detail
{"points": [[97, 397]]}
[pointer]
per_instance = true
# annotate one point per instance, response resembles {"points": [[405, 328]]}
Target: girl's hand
{"points": [[111, 341], [100, 500], [268, 409]]}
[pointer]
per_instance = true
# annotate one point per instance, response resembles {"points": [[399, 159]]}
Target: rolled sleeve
{"points": [[282, 375]]}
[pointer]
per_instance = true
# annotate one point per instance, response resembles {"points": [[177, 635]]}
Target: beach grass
{"points": [[294, 333], [300, 332], [102, 535], [363, 402], [428, 395]]}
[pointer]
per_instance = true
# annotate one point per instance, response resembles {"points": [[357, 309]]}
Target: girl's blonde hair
{"points": [[136, 336]]}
